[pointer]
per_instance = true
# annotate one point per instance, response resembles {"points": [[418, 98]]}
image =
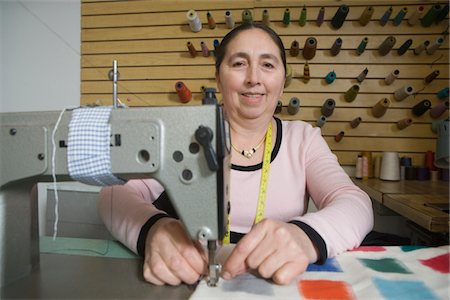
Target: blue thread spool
{"points": [[216, 45], [330, 77], [385, 18], [442, 94], [399, 17], [340, 16]]}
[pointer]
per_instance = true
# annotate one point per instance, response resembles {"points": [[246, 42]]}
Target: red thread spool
{"points": [[184, 93]]}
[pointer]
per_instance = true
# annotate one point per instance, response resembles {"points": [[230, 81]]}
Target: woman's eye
{"points": [[268, 65], [238, 64]]}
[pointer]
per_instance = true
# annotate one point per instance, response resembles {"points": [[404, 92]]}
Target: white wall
{"points": [[39, 54]]}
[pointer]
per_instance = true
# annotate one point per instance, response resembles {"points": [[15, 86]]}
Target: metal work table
{"points": [[63, 276]]}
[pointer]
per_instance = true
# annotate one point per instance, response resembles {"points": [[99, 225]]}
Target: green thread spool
{"points": [[295, 48], [351, 93], [431, 15], [443, 94], [266, 17], [247, 16], [385, 18], [404, 47], [362, 46], [320, 16], [294, 106], [302, 19], [339, 16], [386, 45], [286, 17], [399, 17], [442, 14], [366, 15], [309, 51]]}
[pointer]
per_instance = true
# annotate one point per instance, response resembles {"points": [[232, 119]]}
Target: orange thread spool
{"points": [[183, 92]]}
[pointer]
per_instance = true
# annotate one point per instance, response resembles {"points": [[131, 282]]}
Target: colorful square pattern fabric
{"points": [[384, 273]]}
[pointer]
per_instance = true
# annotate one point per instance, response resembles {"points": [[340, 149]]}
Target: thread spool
{"points": [[402, 124], [306, 75], [366, 15], [410, 173], [229, 19], [211, 21], [399, 17], [362, 46], [422, 173], [320, 16], [421, 107], [336, 47], [442, 14], [390, 166], [339, 17], [351, 93], [404, 47], [432, 48], [430, 77], [294, 106], [362, 75], [191, 48], [439, 109], [205, 50], [287, 17], [431, 15], [358, 168], [321, 121], [429, 160], [414, 18], [295, 48], [379, 109], [387, 45], [184, 94], [247, 17], [355, 122], [288, 77], [331, 76], [328, 107], [385, 18], [443, 94], [406, 161], [302, 19], [403, 92], [279, 107], [338, 137], [216, 44], [368, 156], [266, 17], [421, 47], [309, 51], [194, 21], [392, 76]]}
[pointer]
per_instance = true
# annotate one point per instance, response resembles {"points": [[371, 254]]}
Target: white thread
{"points": [[55, 188]]}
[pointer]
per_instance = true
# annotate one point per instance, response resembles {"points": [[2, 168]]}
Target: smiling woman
{"points": [[276, 166]]}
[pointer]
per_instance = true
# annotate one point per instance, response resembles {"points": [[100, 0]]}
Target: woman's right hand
{"points": [[171, 257]]}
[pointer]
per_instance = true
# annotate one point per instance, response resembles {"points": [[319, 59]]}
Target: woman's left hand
{"points": [[274, 249]]}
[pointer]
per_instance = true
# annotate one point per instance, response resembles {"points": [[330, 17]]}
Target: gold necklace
{"points": [[249, 153]]}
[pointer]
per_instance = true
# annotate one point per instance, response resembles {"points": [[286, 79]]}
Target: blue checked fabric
{"points": [[88, 152]]}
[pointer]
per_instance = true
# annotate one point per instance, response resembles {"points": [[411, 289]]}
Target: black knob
{"points": [[204, 136]]}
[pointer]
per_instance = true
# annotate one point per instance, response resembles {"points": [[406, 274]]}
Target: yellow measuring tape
{"points": [[260, 208]]}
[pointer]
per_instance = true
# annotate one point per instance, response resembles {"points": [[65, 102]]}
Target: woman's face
{"points": [[251, 76]]}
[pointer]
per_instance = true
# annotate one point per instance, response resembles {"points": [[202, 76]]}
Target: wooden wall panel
{"points": [[148, 39]]}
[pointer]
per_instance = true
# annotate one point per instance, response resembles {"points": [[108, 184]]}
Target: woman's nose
{"points": [[253, 77]]}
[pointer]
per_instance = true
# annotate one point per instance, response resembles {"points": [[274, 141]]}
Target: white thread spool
{"points": [[401, 93], [439, 41], [229, 20], [390, 166], [194, 21], [391, 77]]}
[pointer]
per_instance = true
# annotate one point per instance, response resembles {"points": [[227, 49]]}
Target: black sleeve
{"points": [[316, 239]]}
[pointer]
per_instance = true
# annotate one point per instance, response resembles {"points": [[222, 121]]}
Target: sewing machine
{"points": [[184, 148]]}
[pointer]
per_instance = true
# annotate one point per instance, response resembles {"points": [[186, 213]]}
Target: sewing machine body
{"points": [[157, 142]]}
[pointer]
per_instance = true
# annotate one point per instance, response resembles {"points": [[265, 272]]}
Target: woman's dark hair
{"points": [[220, 51]]}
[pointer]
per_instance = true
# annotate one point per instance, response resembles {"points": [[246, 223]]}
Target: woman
{"points": [[250, 73]]}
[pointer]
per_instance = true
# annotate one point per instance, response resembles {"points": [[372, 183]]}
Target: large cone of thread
{"points": [[351, 93], [339, 16], [379, 109], [309, 51], [403, 92]]}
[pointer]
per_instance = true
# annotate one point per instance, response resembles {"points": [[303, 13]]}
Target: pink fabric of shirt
{"points": [[302, 166]]}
